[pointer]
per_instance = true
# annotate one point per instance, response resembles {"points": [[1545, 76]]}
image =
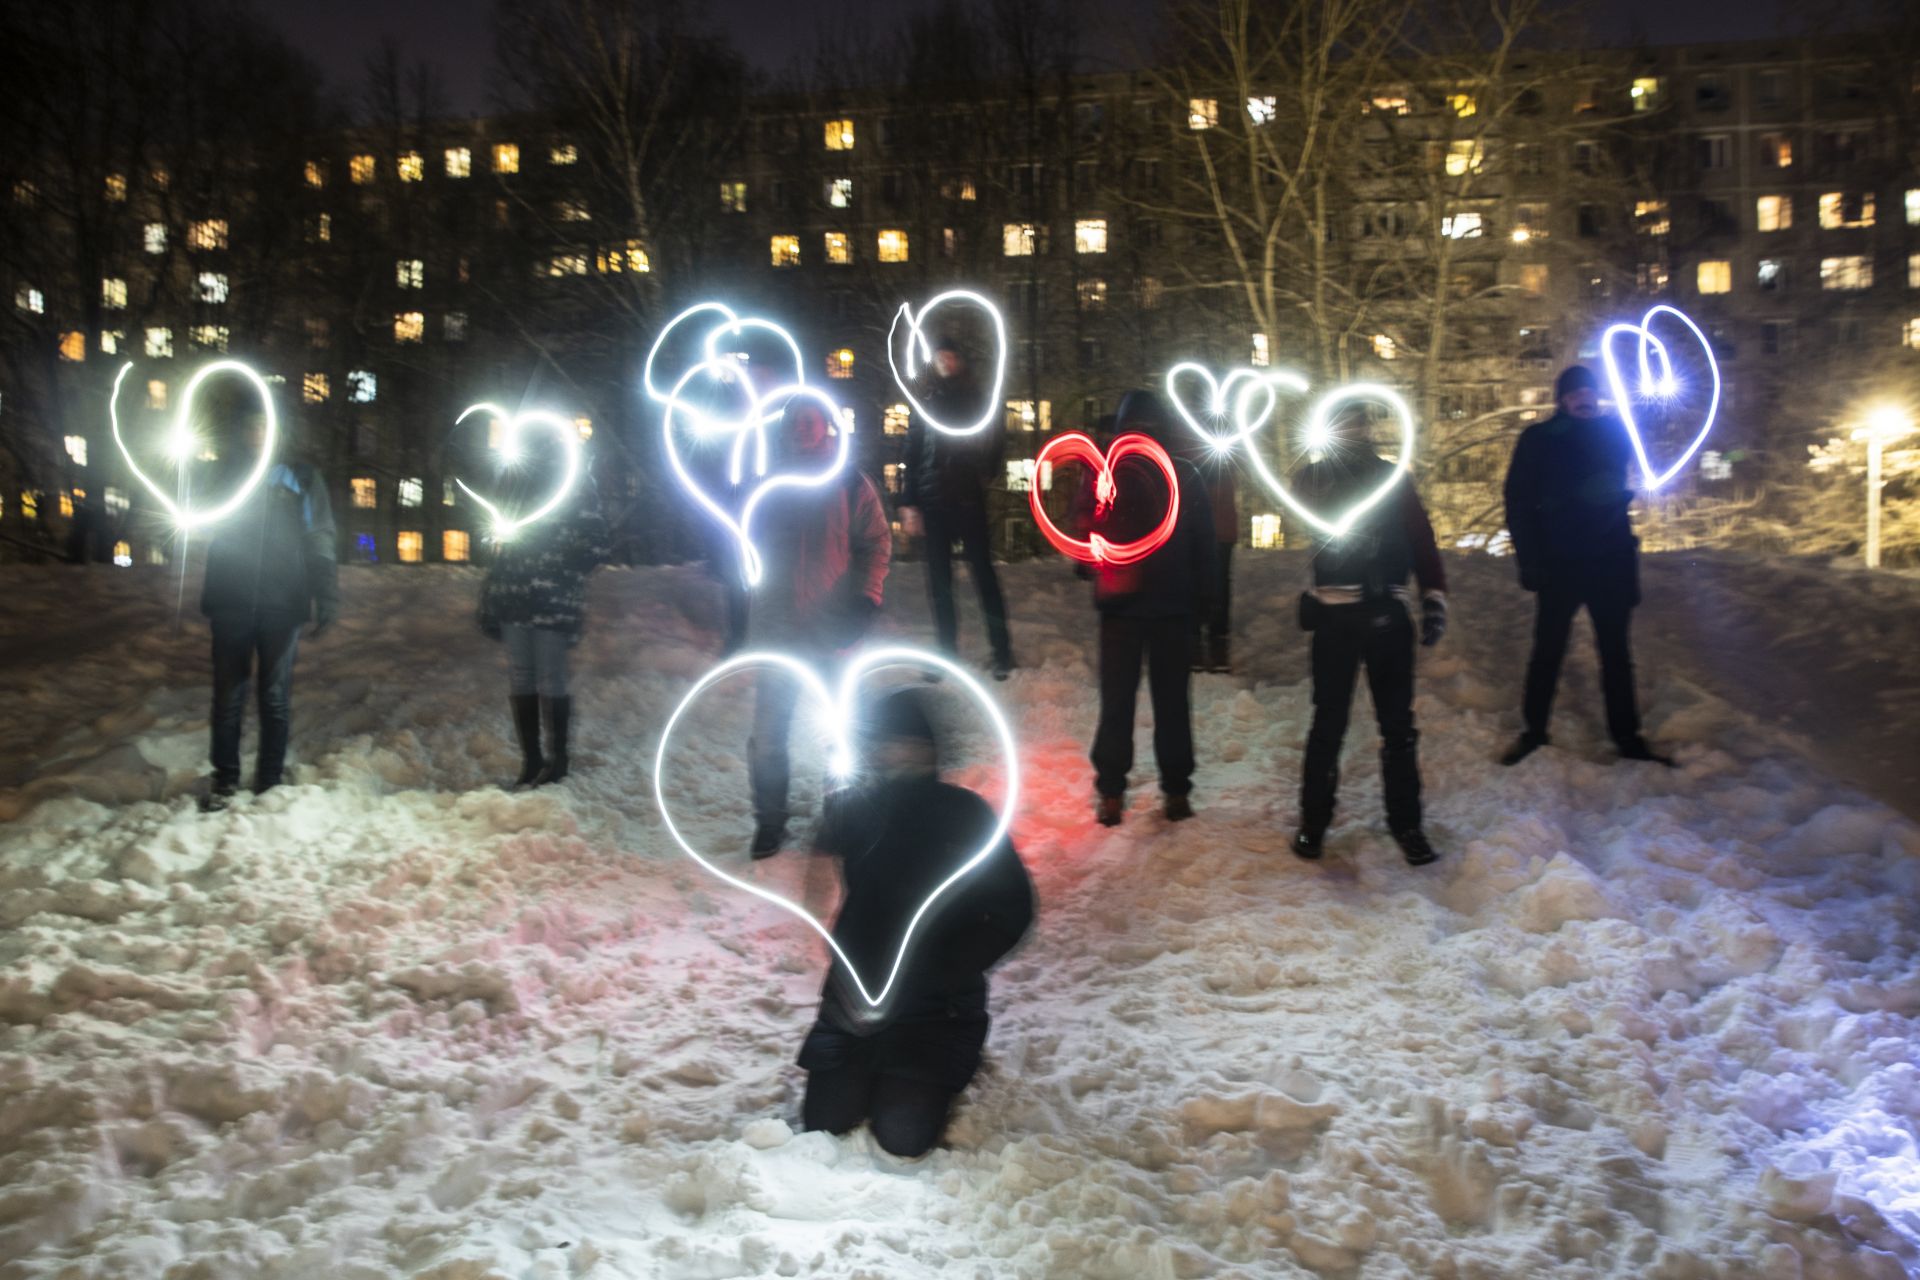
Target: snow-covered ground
{"points": [[392, 1021]]}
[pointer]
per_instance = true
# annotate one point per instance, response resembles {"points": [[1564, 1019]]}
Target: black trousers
{"points": [[1216, 627], [968, 527], [1381, 636], [237, 641], [1167, 646], [1609, 601], [907, 1116]]}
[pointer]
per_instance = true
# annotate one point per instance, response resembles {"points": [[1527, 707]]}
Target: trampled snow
{"points": [[393, 1021]]}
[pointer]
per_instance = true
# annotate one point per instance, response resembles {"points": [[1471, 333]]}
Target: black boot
{"points": [[1108, 810], [767, 839], [1179, 808], [1219, 655], [1637, 749], [526, 727], [1413, 844], [1309, 843], [1523, 746], [558, 712]]}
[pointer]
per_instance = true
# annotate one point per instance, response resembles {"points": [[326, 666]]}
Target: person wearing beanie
{"points": [[1573, 542], [943, 497], [898, 833]]}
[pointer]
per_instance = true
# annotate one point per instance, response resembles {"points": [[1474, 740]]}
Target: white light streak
{"points": [[182, 444], [1318, 433], [919, 349], [1663, 385], [563, 428]]}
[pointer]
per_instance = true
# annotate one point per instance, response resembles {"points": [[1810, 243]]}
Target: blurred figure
{"points": [[824, 555], [1147, 612], [1359, 612], [271, 568], [899, 833], [1567, 498], [944, 496], [534, 600], [1213, 629]]}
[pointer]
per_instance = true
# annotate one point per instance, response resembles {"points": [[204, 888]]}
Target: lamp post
{"points": [[1885, 425]]}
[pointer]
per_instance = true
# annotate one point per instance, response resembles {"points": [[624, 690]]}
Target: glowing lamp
{"points": [[918, 349], [1653, 355], [838, 716], [563, 430], [1095, 549], [182, 444]]}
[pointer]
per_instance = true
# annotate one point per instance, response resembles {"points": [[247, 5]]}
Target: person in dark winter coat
{"points": [[272, 567], [534, 600], [824, 556], [1359, 612], [1567, 498], [1147, 611], [1213, 630], [898, 835], [944, 486]]}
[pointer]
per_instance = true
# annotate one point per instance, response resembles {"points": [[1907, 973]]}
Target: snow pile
{"points": [[390, 1021]]}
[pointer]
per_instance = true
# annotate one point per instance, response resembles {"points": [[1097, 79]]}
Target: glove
{"points": [[1433, 618], [324, 614]]}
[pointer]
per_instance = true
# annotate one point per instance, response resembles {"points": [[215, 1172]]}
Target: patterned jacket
{"points": [[539, 576]]}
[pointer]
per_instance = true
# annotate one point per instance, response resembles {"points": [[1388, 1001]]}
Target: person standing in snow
{"points": [[272, 567], [1359, 612], [824, 555], [944, 496], [534, 600], [899, 834], [1147, 611], [1213, 629], [1573, 541]]}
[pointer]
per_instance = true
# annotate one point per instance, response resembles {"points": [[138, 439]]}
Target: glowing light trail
{"points": [[504, 525], [1319, 432], [181, 443], [919, 349], [1222, 404], [840, 719], [1651, 386], [1094, 549]]}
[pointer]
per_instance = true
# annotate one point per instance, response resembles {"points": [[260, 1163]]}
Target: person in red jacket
{"points": [[1360, 612]]}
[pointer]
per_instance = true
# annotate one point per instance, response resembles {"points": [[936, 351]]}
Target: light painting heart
{"points": [[181, 444], [1094, 549], [1661, 385], [1223, 405], [730, 366], [838, 712], [919, 349], [511, 425], [1319, 431]]}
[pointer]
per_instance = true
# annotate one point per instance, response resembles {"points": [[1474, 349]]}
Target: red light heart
{"points": [[1094, 549]]}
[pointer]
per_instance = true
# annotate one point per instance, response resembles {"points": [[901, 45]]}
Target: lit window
{"points": [[890, 474], [1714, 276], [784, 250], [506, 157], [959, 188], [116, 501], [1650, 217], [1773, 213], [449, 493], [894, 420], [208, 337], [77, 450], [1461, 226], [573, 211], [1533, 277], [410, 491], [1266, 531], [314, 388], [159, 343], [839, 135], [839, 248], [733, 197], [1389, 102], [1913, 206], [563, 153], [454, 326], [1645, 93], [316, 173], [1090, 235], [410, 545], [564, 264], [153, 237], [211, 286], [1462, 104], [110, 340], [1017, 239], [847, 418], [411, 167], [361, 170], [29, 504], [1028, 415], [1202, 113], [1021, 473], [66, 504], [1261, 110], [319, 228], [1850, 271], [117, 188], [1913, 271], [113, 293], [893, 245], [362, 386], [1262, 353], [410, 273], [1463, 157], [619, 258], [1841, 209], [1770, 274], [459, 162], [409, 326], [123, 554], [366, 492], [840, 363], [1385, 348], [29, 299], [1776, 151], [455, 546], [584, 425], [1093, 294], [156, 393], [160, 179], [840, 192]]}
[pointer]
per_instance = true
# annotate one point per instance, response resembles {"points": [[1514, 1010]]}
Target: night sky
{"points": [[457, 34]]}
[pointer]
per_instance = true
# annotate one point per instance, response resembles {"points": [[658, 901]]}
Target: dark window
{"points": [[1590, 220], [1710, 93]]}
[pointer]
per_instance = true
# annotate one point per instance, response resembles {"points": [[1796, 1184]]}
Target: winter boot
{"points": [[1308, 843], [1178, 808], [558, 712], [1003, 667], [767, 839], [526, 727], [219, 795], [1637, 749], [1108, 810], [1523, 746], [1413, 843], [1219, 655]]}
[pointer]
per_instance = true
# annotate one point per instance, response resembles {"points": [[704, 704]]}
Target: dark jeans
{"points": [[907, 1116], [236, 642], [1609, 600], [1167, 646], [1381, 636], [968, 526], [1215, 629]]}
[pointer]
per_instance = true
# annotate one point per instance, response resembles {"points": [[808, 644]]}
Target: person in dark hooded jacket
{"points": [[272, 566], [898, 835], [534, 600], [1147, 612]]}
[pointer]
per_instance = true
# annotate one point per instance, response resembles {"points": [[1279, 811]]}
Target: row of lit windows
{"points": [[455, 162]]}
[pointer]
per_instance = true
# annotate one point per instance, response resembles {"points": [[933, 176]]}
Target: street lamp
{"points": [[1884, 425]]}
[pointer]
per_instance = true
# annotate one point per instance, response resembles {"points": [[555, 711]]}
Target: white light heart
{"points": [[1223, 405], [182, 444], [919, 349], [839, 714], [1319, 433], [731, 367], [1662, 385], [511, 425]]}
